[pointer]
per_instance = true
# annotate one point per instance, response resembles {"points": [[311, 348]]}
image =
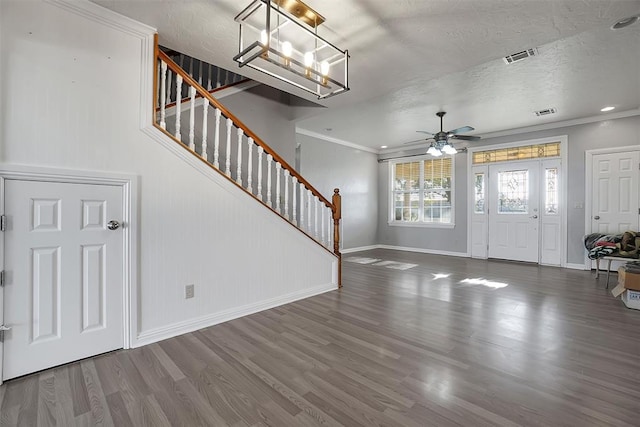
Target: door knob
{"points": [[534, 217], [113, 225], [596, 217]]}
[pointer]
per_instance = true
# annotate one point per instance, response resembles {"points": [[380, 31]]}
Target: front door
{"points": [[63, 297], [614, 192], [513, 211]]}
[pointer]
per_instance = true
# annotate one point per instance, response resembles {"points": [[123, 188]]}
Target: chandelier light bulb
{"points": [[264, 39], [287, 49], [324, 68], [308, 59]]}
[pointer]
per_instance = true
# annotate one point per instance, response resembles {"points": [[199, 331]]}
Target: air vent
{"points": [[515, 57], [545, 112]]}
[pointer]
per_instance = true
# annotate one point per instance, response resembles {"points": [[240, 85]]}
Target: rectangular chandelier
{"points": [[280, 38]]}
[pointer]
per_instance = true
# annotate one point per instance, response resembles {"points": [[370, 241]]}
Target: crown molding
{"points": [[336, 140], [564, 123]]}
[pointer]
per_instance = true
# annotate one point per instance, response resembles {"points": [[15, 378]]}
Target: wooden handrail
{"points": [[217, 89], [238, 123]]}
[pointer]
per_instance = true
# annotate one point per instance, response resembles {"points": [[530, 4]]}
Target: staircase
{"points": [[187, 112]]}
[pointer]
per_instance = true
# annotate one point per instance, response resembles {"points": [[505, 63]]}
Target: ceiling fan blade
{"points": [[461, 130], [465, 137], [417, 140], [424, 131]]}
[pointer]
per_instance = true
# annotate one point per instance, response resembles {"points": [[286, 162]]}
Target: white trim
{"points": [[335, 140], [588, 188], [573, 266], [359, 249], [424, 251], [129, 184], [179, 328], [564, 155], [104, 16]]}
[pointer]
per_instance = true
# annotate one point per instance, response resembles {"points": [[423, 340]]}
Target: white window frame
{"points": [[421, 223]]}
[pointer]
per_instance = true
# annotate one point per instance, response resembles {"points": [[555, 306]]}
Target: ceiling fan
{"points": [[440, 139]]}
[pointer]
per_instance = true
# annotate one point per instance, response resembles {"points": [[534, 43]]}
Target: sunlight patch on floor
{"points": [[484, 282], [437, 276], [380, 263]]}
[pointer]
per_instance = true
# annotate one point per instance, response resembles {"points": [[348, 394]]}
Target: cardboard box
{"points": [[628, 280], [628, 287], [631, 299]]}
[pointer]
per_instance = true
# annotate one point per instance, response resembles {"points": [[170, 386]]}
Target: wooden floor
{"points": [[413, 347]]}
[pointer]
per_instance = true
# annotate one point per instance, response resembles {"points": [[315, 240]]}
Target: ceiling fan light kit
{"points": [[280, 38], [441, 144]]}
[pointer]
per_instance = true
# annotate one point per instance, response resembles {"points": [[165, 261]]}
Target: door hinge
{"points": [[1, 278], [3, 222], [3, 329]]}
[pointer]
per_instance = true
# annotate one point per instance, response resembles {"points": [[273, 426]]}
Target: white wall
{"points": [[71, 99], [327, 166]]}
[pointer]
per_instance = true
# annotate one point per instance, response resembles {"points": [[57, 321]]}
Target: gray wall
{"points": [[268, 114], [327, 166], [429, 238], [608, 133]]}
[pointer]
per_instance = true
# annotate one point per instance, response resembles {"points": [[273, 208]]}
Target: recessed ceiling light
{"points": [[605, 109], [624, 22], [383, 146]]}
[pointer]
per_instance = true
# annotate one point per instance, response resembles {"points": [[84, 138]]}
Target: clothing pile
{"points": [[625, 245]]}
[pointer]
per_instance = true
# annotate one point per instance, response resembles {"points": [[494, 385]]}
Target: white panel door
{"points": [[64, 295], [615, 192], [513, 211]]}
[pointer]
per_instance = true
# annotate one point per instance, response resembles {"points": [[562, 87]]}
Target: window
{"points": [[422, 192], [550, 149], [478, 205]]}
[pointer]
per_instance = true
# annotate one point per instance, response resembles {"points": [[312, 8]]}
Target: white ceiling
{"points": [[412, 58]]}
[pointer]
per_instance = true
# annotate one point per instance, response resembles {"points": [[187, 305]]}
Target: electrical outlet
{"points": [[189, 291]]}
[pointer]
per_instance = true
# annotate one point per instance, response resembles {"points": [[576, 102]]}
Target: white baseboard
{"points": [[175, 329], [424, 251], [359, 249], [575, 266]]}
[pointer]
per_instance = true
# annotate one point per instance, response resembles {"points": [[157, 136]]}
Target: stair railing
{"points": [[241, 156]]}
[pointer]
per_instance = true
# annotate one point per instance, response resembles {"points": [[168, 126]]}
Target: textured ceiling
{"points": [[410, 59]]}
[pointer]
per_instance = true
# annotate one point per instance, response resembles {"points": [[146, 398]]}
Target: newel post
{"points": [[336, 200]]}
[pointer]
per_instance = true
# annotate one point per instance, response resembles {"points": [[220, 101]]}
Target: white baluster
{"points": [[216, 140], [239, 166], [260, 151], [208, 76], [178, 105], [169, 87], [309, 211], [163, 94], [322, 211], [315, 216], [286, 193], [205, 110], [227, 165], [269, 160], [217, 76], [192, 118], [294, 192], [301, 206], [329, 232], [278, 199], [200, 73], [249, 164]]}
